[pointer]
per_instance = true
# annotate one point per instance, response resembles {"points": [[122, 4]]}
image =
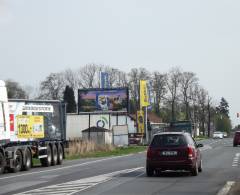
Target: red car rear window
{"points": [[171, 140], [237, 134]]}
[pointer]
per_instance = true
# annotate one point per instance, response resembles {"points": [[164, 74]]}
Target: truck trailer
{"points": [[185, 126], [30, 129]]}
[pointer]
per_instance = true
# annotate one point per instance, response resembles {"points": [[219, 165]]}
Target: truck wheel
{"points": [[28, 160], [60, 155], [18, 162], [46, 162], [54, 155], [2, 163]]}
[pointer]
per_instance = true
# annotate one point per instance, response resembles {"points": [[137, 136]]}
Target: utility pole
{"points": [[146, 126], [209, 117]]}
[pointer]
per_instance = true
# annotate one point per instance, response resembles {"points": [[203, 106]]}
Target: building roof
{"points": [[96, 129]]}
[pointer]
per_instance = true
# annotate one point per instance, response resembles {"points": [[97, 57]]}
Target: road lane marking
{"points": [[66, 167], [236, 160], [226, 188], [73, 187]]}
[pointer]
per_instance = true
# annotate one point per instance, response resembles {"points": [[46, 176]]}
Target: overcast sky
{"points": [[38, 37]]}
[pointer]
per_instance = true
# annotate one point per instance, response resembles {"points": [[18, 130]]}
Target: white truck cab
{"points": [[4, 114]]}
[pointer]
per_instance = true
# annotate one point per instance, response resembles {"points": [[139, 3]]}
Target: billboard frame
{"points": [[103, 89]]}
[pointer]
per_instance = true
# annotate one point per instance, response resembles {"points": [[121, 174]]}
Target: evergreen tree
{"points": [[222, 120], [223, 108], [69, 98], [223, 123]]}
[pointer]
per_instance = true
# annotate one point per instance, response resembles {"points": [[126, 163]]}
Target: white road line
{"points": [[66, 167], [83, 184], [236, 160], [63, 187], [226, 188]]}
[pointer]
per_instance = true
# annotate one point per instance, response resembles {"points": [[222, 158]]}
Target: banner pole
{"points": [[146, 129]]}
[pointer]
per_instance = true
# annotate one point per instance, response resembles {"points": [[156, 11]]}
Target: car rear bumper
{"points": [[172, 165], [217, 137], [236, 142]]}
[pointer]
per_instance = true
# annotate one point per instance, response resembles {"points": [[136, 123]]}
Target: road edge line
{"points": [[226, 188]]}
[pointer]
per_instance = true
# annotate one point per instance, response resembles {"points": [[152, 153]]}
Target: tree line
{"points": [[174, 95]]}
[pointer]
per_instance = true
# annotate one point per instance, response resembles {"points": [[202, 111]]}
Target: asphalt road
{"points": [[126, 175]]}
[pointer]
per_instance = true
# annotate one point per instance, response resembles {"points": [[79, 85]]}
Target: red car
{"points": [[236, 139], [173, 151]]}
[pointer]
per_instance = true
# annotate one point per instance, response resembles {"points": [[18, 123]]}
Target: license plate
{"points": [[169, 153]]}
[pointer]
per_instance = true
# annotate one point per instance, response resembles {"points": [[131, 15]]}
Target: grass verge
{"points": [[118, 151], [199, 138]]}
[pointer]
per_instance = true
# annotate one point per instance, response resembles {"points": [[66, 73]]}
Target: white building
{"points": [[77, 123]]}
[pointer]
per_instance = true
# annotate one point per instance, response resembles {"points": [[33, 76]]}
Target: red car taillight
{"points": [[150, 152], [191, 152]]}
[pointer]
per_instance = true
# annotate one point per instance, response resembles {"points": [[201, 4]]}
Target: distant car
{"points": [[236, 139], [173, 151], [218, 135], [225, 134]]}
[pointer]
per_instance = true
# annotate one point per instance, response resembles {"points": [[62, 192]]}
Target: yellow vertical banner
{"points": [[140, 121], [143, 94]]}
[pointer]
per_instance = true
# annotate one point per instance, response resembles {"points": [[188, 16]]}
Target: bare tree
{"points": [[202, 103], [159, 82], [71, 80], [29, 91], [135, 76], [173, 87], [52, 87], [14, 90], [121, 79], [116, 77], [187, 80], [88, 76]]}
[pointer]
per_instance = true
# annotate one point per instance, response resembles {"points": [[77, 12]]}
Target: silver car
{"points": [[218, 135]]}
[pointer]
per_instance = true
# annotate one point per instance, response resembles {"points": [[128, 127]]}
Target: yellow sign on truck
{"points": [[30, 126]]}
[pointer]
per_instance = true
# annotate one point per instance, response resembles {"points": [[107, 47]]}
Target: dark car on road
{"points": [[236, 139], [173, 151]]}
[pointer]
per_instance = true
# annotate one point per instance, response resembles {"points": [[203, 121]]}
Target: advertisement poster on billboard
{"points": [[106, 100]]}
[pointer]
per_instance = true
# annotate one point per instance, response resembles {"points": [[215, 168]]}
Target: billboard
{"points": [[106, 100]]}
